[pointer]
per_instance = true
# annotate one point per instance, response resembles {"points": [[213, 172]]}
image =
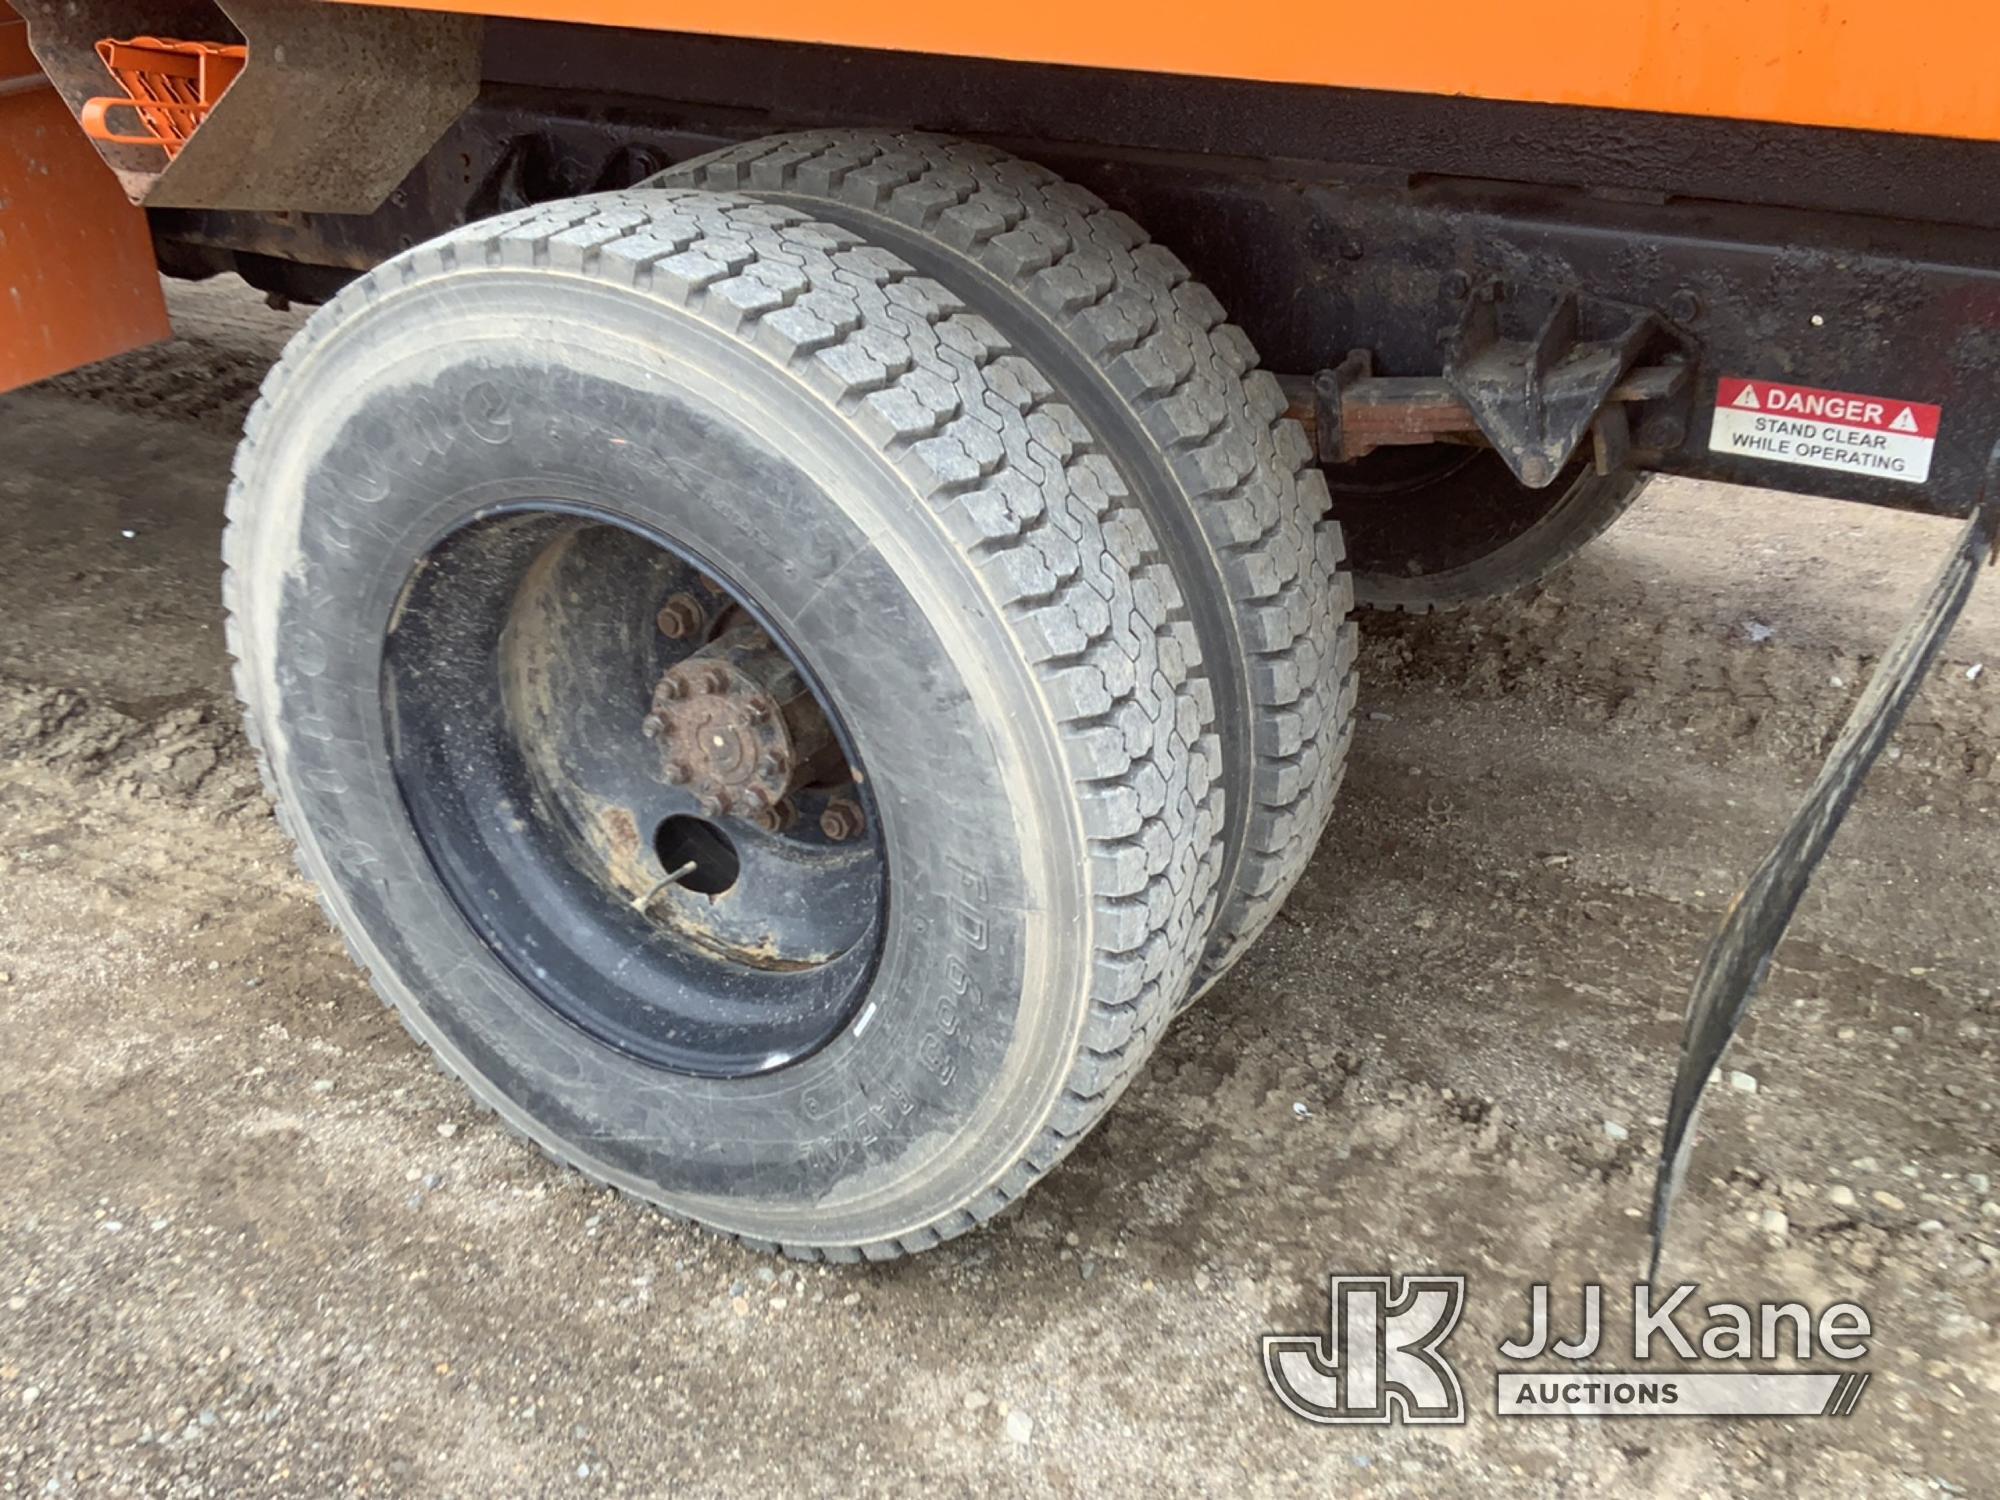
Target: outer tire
{"points": [[1004, 638], [1475, 533], [1173, 393]]}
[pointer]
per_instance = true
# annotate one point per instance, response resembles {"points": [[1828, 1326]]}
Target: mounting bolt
{"points": [[1457, 286], [777, 817], [1663, 431], [681, 616], [842, 820], [1684, 306]]}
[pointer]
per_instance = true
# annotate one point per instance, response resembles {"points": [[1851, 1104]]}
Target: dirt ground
{"points": [[252, 1243]]}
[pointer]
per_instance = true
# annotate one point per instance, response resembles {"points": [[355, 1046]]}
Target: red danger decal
{"points": [[1880, 436], [1878, 412]]}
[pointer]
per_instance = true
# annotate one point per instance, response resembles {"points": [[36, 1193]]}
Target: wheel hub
{"points": [[635, 817], [737, 727]]}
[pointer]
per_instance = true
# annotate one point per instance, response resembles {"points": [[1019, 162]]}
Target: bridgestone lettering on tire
{"points": [[1172, 392], [891, 489]]}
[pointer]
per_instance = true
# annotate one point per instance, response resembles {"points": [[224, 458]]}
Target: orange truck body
{"points": [[76, 261], [1860, 64], [76, 282]]}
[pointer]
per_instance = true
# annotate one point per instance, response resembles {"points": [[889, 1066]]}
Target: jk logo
{"points": [[1379, 1359]]}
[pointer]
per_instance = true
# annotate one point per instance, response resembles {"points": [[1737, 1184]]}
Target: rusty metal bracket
{"points": [[1329, 399], [1348, 412], [1536, 366], [334, 107], [1741, 951]]}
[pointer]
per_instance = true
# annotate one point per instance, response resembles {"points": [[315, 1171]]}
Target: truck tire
{"points": [[506, 491], [1142, 352], [1438, 528]]}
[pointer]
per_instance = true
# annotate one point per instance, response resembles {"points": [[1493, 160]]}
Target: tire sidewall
{"points": [[415, 411]]}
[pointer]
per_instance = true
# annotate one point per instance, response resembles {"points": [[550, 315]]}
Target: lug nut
{"points": [[678, 772], [777, 817], [681, 616], [841, 821], [652, 726], [669, 689]]}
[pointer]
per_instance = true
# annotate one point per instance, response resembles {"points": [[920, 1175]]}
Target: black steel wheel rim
{"points": [[609, 838]]}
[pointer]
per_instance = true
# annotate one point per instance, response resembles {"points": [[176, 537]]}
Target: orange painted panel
{"points": [[77, 279], [1931, 68]]}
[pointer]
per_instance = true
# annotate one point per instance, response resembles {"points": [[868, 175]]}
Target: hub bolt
{"points": [[776, 818], [842, 820], [682, 616]]}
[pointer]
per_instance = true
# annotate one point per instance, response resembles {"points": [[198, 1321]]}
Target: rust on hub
{"points": [[736, 726]]}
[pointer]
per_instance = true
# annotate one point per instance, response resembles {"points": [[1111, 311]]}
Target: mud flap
{"points": [[77, 279], [1756, 921]]}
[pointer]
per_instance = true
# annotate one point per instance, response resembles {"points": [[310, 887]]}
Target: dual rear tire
{"points": [[786, 720], [1142, 353]]}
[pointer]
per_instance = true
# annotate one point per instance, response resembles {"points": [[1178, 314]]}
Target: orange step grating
{"points": [[170, 86]]}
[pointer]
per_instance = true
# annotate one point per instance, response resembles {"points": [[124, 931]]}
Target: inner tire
{"points": [[1437, 528], [1144, 354], [688, 380]]}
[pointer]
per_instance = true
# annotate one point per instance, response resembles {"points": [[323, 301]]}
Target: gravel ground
{"points": [[252, 1243]]}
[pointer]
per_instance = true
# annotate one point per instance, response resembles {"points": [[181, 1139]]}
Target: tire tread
{"points": [[980, 435], [1191, 379]]}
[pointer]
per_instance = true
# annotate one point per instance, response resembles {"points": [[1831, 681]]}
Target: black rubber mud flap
{"points": [[1737, 959]]}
